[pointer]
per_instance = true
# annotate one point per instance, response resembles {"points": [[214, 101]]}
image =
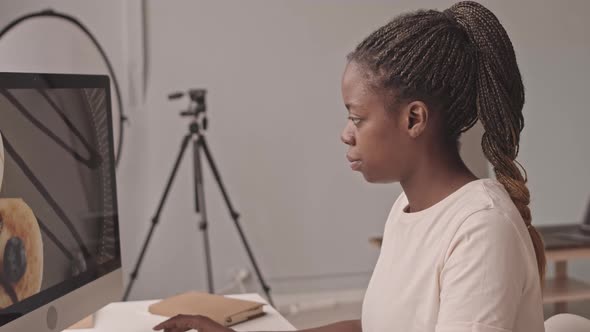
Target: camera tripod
{"points": [[198, 124]]}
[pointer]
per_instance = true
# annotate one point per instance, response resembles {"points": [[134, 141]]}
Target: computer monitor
{"points": [[59, 237]]}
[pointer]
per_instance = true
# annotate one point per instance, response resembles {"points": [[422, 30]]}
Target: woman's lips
{"points": [[355, 164]]}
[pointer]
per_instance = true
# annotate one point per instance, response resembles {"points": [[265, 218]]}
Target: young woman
{"points": [[459, 253]]}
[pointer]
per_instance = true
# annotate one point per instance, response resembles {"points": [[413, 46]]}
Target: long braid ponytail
{"points": [[499, 103]]}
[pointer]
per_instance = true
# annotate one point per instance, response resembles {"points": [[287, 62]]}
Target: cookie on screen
{"points": [[21, 252]]}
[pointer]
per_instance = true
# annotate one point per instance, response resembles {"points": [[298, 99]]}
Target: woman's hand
{"points": [[182, 323]]}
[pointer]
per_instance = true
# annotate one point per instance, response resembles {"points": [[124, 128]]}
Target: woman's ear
{"points": [[417, 118]]}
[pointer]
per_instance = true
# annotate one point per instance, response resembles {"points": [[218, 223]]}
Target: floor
{"points": [[309, 319]]}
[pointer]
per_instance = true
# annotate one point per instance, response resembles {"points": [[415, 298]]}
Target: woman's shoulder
{"points": [[488, 199], [498, 222], [485, 208], [489, 204]]}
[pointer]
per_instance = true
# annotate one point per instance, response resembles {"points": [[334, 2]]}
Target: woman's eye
{"points": [[354, 120]]}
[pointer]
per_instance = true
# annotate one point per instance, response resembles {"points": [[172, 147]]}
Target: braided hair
{"points": [[460, 62]]}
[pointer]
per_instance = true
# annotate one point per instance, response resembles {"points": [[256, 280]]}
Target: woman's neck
{"points": [[434, 178]]}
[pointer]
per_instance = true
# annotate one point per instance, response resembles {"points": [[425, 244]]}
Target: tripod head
{"points": [[196, 106], [197, 103]]}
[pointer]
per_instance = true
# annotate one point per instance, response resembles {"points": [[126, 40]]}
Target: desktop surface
{"points": [[564, 236], [133, 316]]}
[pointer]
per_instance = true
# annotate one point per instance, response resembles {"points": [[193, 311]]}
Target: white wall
{"points": [[273, 70]]}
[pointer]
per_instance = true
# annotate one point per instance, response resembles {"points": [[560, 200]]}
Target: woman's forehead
{"points": [[355, 84], [358, 91]]}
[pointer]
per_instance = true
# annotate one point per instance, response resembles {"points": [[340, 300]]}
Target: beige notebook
{"points": [[225, 311]]}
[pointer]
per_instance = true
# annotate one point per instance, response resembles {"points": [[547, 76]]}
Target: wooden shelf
{"points": [[557, 255], [565, 290]]}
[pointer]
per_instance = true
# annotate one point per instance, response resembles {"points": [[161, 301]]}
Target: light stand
{"points": [[197, 126]]}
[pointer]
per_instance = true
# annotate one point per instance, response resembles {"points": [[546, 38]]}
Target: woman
{"points": [[459, 253]]}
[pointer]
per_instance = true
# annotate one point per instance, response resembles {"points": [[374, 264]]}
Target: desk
{"points": [[133, 316], [562, 289]]}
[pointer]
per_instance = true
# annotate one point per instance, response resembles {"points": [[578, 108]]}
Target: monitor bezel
{"points": [[58, 296]]}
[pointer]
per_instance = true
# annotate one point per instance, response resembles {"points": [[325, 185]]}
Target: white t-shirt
{"points": [[465, 264]]}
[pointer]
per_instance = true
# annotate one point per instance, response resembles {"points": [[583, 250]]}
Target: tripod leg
{"points": [[201, 208], [235, 217], [156, 217]]}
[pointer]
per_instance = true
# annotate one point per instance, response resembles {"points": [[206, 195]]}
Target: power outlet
{"points": [[242, 275], [237, 280]]}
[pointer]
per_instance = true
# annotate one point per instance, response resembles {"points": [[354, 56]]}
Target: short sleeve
{"points": [[483, 277]]}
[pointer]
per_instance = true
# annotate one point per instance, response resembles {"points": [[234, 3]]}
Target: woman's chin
{"points": [[372, 178]]}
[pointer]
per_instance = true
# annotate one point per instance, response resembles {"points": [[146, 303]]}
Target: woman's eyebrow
{"points": [[351, 105]]}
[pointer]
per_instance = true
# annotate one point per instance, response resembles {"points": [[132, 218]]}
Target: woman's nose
{"points": [[347, 135]]}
